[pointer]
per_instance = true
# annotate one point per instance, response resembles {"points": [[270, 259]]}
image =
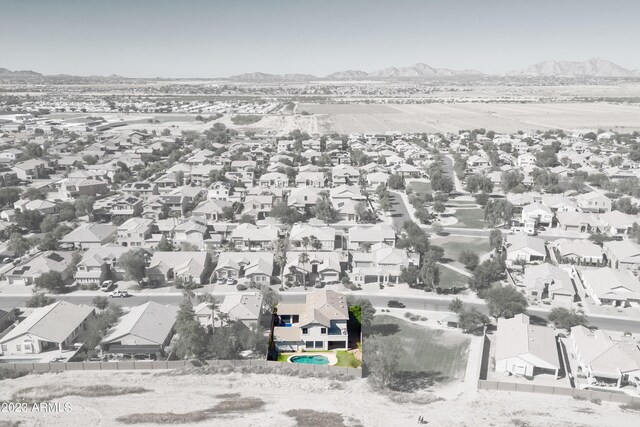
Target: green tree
{"points": [[456, 305], [430, 273], [9, 195], [495, 239], [100, 302], [469, 258], [382, 358], [39, 299], [566, 319], [192, 340], [472, 320], [164, 245], [505, 301], [325, 211], [18, 245], [132, 262], [52, 281]]}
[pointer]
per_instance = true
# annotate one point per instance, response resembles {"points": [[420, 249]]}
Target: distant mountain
{"points": [[420, 70], [22, 73], [588, 68], [347, 75], [262, 77]]}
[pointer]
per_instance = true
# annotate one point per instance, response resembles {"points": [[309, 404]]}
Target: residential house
{"points": [[257, 267], [617, 223], [311, 178], [192, 231], [525, 350], [90, 235], [250, 237], [211, 210], [325, 235], [134, 232], [185, 267], [245, 308], [74, 188], [594, 202], [549, 282], [537, 213], [366, 236], [523, 247], [622, 255], [26, 272], [582, 222], [43, 206], [99, 264], [606, 286], [579, 251], [382, 264], [145, 329], [52, 327], [320, 323], [603, 360], [324, 267]]}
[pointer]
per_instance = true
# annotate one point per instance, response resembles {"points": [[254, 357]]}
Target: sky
{"points": [[215, 38]]}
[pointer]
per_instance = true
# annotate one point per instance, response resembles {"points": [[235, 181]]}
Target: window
{"points": [[323, 330], [308, 344], [318, 344], [305, 331], [4, 347], [18, 348]]}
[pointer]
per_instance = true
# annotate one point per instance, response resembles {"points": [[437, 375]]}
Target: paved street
{"points": [[422, 302]]}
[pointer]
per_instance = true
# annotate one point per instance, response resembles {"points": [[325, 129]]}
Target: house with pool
{"points": [[320, 323]]}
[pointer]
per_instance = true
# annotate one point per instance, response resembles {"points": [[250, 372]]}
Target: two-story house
{"points": [[320, 323]]}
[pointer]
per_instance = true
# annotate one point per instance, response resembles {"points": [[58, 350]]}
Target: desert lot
{"points": [[266, 399], [500, 117]]}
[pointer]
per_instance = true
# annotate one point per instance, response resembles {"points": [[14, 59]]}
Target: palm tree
{"points": [[280, 248], [303, 259], [188, 288], [305, 242]]}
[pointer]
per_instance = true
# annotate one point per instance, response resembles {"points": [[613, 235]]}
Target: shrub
{"points": [[241, 287]]}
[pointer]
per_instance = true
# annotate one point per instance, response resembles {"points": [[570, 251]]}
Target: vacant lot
{"points": [[440, 354], [245, 399], [501, 117]]}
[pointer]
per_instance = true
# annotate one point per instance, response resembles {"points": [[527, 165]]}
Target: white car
{"points": [[106, 285], [119, 294]]}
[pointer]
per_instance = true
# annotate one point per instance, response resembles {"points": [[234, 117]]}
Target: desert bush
{"points": [[57, 391], [596, 401], [7, 374], [311, 418], [633, 406]]}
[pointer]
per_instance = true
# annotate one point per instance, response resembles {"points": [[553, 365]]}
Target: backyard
{"points": [[442, 355]]}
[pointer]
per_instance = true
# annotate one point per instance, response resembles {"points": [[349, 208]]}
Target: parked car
{"points": [[221, 281], [119, 294], [106, 285], [231, 281], [318, 283], [395, 304]]}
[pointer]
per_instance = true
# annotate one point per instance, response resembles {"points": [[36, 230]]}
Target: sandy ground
{"points": [[354, 400]]}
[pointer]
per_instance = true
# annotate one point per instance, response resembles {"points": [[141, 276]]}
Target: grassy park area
{"points": [[440, 354], [470, 218]]}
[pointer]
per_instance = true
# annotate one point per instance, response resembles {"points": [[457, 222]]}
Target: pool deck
{"points": [[333, 359]]}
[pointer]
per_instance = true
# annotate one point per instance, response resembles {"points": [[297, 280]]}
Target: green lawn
{"points": [[347, 359], [450, 278], [470, 218], [421, 187], [454, 245], [283, 357], [441, 353]]}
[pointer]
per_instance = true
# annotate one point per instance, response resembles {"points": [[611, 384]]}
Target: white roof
{"points": [[53, 323], [535, 344], [150, 321]]}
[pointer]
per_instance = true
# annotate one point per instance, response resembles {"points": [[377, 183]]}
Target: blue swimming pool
{"points": [[310, 360]]}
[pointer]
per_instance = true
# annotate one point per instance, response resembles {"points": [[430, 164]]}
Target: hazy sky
{"points": [[200, 38]]}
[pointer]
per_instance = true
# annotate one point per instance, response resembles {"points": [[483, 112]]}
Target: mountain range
{"points": [[589, 68], [568, 69]]}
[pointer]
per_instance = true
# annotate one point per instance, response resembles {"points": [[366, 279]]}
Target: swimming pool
{"points": [[310, 360]]}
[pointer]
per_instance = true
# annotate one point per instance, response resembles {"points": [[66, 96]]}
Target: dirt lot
{"points": [[353, 402], [500, 117]]}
